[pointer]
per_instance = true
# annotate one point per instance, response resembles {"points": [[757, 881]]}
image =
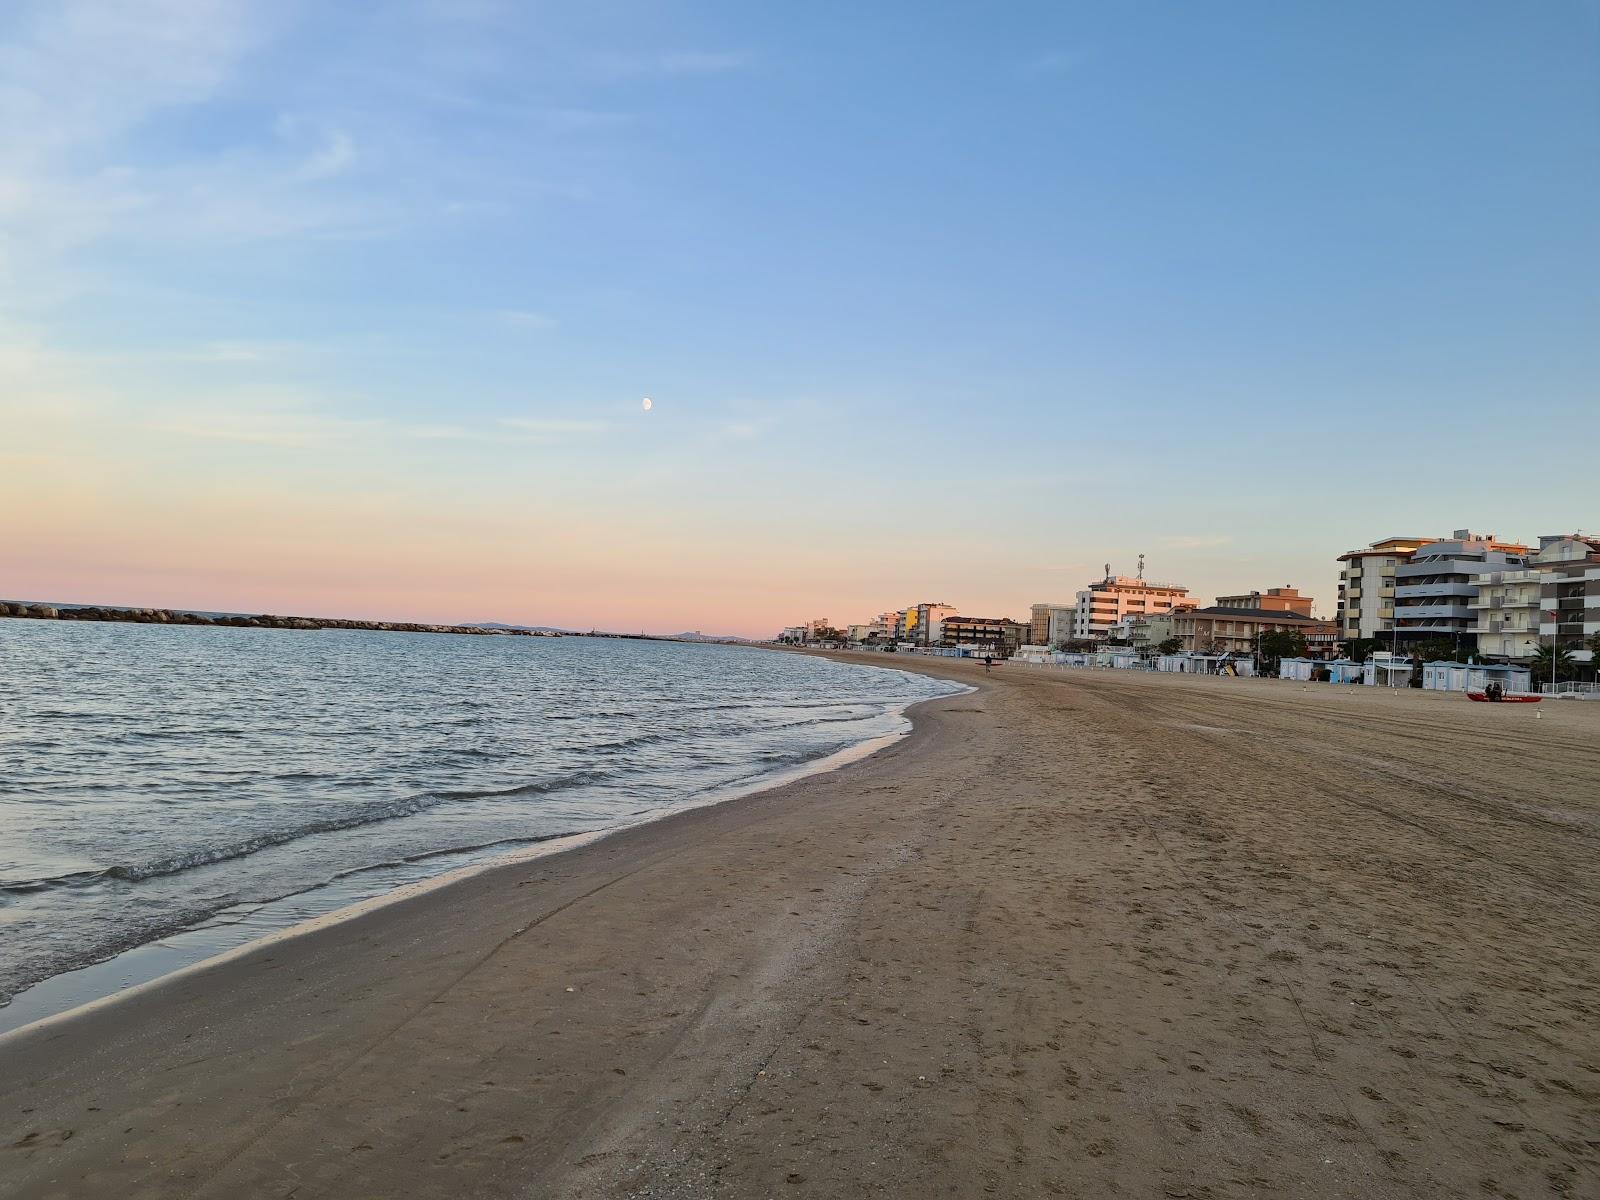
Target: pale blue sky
{"points": [[956, 302]]}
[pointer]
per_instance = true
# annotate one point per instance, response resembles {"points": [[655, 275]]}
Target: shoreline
{"points": [[1072, 935], [194, 947]]}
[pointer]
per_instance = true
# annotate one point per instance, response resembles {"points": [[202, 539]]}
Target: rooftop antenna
{"points": [[1141, 566], [1108, 570]]}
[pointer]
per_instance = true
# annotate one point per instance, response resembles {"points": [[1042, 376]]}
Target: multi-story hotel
{"points": [[921, 624], [1052, 624], [999, 636], [1104, 603], [1506, 612], [1149, 632], [1571, 600], [1569, 596], [1509, 606], [1435, 587], [1278, 599], [1366, 586], [1224, 630]]}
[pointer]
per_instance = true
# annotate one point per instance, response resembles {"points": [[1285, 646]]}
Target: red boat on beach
{"points": [[1503, 699]]}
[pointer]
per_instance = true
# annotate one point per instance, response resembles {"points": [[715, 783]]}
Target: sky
{"points": [[349, 309]]}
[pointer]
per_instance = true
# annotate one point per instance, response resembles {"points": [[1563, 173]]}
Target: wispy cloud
{"points": [[269, 421], [555, 425], [333, 157]]}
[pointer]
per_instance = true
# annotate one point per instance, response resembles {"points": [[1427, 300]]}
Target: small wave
{"points": [[45, 882], [209, 855]]}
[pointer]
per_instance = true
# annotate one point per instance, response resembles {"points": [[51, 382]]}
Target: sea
{"points": [[168, 793]]}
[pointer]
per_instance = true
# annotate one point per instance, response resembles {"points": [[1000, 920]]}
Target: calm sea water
{"points": [[154, 779]]}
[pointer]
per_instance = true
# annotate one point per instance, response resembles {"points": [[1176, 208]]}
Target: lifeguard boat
{"points": [[1503, 699]]}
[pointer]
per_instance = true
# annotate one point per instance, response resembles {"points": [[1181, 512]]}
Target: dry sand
{"points": [[1082, 934]]}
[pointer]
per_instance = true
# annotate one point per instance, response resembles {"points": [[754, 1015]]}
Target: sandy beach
{"points": [[1081, 934]]}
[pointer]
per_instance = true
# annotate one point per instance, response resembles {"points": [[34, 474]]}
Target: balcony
{"points": [[1457, 612], [1463, 591]]}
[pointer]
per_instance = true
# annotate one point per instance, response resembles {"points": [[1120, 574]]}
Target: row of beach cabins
{"points": [[1381, 670]]}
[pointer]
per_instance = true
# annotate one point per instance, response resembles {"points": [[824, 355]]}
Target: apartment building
{"points": [[1223, 630], [999, 636], [1052, 624], [1505, 612], [1039, 624], [921, 624], [1569, 597], [1508, 608], [1366, 586], [1434, 588], [1107, 601], [1278, 599]]}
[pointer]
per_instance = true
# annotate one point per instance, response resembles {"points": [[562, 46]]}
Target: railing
{"points": [[1570, 688]]}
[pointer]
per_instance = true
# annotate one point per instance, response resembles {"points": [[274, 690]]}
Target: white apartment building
{"points": [[1104, 603], [1366, 586], [923, 624], [1506, 612], [1508, 608]]}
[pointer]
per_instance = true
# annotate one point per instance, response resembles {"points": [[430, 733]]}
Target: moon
{"points": [[648, 404]]}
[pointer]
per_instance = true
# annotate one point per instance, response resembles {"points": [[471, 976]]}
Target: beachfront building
{"points": [[1051, 624], [795, 635], [1107, 601], [1366, 586], [870, 631], [930, 623], [1039, 624], [1435, 587], [1278, 599], [1219, 630], [1569, 604], [999, 636], [1505, 612], [1063, 623], [1148, 632], [919, 624]]}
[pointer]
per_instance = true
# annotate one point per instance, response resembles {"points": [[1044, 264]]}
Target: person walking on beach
{"points": [[987, 663]]}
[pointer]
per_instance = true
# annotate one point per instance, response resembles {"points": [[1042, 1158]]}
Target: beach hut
{"points": [[1343, 670], [1444, 676], [1473, 677], [1295, 668], [1385, 670]]}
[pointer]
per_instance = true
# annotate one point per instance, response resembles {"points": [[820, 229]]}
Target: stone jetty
{"points": [[166, 616]]}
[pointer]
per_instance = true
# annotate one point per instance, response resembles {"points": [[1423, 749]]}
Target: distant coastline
{"points": [[167, 616], [33, 610]]}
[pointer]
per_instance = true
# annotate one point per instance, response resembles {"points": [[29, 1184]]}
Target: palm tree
{"points": [[1550, 663]]}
